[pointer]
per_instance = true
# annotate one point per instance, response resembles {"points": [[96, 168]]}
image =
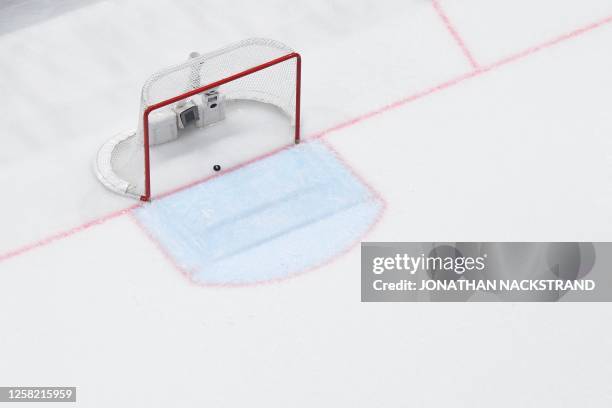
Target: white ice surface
{"points": [[520, 153], [495, 29]]}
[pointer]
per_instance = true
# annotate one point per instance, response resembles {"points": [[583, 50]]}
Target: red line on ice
{"points": [[458, 39], [472, 74], [435, 89], [65, 234]]}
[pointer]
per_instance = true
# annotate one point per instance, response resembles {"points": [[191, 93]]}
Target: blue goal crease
{"points": [[276, 217]]}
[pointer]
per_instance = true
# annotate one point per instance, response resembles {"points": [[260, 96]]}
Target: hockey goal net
{"points": [[195, 93]]}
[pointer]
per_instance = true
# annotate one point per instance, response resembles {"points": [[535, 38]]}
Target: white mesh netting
{"points": [[120, 162]]}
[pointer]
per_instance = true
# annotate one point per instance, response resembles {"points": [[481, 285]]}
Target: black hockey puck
{"points": [[216, 167]]}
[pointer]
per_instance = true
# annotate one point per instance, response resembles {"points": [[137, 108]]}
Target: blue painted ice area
{"points": [[273, 218]]}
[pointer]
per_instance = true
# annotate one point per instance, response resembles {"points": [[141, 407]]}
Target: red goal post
{"points": [[145, 119]]}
